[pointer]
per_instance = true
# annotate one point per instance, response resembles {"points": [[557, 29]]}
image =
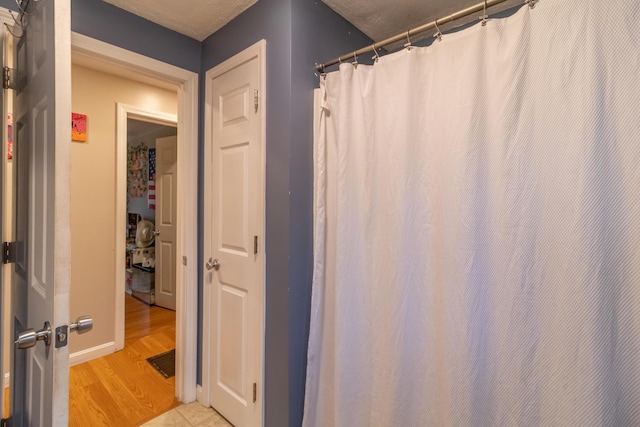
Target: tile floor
{"points": [[190, 415]]}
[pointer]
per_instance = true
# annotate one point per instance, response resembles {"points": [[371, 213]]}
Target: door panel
{"points": [[166, 257], [40, 283], [233, 203], [232, 306], [235, 206]]}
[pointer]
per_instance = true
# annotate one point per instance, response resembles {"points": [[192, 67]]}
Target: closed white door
{"points": [[41, 252], [234, 270], [166, 175]]}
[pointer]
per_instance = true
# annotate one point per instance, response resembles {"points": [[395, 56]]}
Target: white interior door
{"points": [[234, 202], [41, 271], [166, 185]]}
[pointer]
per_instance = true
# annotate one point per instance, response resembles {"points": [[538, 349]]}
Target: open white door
{"points": [[234, 224], [3, 214], [41, 252], [166, 254]]}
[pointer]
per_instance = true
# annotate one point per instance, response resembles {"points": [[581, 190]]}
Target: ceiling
{"points": [[378, 19], [197, 19], [140, 129]]}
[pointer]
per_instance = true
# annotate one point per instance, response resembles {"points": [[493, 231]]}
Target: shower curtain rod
{"points": [[417, 30]]}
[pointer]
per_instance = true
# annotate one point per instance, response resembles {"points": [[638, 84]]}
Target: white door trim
{"points": [[5, 234], [256, 50], [187, 298], [124, 112]]}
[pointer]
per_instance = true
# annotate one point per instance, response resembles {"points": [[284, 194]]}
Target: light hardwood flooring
{"points": [[6, 403], [122, 389]]}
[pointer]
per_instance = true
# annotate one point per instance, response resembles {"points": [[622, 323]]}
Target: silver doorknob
{"points": [[28, 338], [81, 325], [213, 264], [156, 232]]}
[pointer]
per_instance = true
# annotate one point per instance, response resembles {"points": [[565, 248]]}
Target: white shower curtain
{"points": [[477, 242]]}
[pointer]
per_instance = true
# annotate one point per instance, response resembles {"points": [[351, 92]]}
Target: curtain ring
{"points": [[408, 43], [438, 34], [484, 15], [376, 56], [355, 60], [323, 73], [22, 9]]}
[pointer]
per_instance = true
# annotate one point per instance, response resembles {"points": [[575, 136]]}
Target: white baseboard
{"points": [[78, 357], [92, 353]]}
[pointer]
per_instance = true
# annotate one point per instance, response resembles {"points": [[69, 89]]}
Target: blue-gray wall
{"points": [[103, 21], [318, 35], [270, 20], [298, 33]]}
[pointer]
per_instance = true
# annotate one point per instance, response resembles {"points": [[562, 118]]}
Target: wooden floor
{"points": [[122, 389]]}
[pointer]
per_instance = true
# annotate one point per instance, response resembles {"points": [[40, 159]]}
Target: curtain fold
{"points": [[477, 241]]}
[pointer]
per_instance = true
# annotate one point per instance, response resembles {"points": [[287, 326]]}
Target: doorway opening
{"points": [[186, 83], [117, 158], [131, 65], [150, 211]]}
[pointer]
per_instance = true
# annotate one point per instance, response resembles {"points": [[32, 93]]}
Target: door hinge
{"points": [[255, 100], [255, 245], [255, 392], [8, 249], [8, 78]]}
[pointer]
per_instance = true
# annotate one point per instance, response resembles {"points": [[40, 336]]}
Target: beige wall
{"points": [[93, 182]]}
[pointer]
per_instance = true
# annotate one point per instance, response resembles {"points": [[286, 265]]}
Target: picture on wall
{"points": [[78, 127], [137, 166]]}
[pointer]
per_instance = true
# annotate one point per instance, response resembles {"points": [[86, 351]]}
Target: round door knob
{"points": [[156, 232], [81, 325], [213, 264], [28, 338]]}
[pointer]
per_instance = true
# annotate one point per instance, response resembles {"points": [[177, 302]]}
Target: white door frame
{"points": [[259, 50], [187, 298], [124, 112], [6, 233]]}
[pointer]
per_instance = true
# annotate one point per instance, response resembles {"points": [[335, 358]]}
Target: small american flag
{"points": [[151, 199]]}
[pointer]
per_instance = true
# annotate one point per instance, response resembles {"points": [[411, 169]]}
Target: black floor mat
{"points": [[164, 363]]}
